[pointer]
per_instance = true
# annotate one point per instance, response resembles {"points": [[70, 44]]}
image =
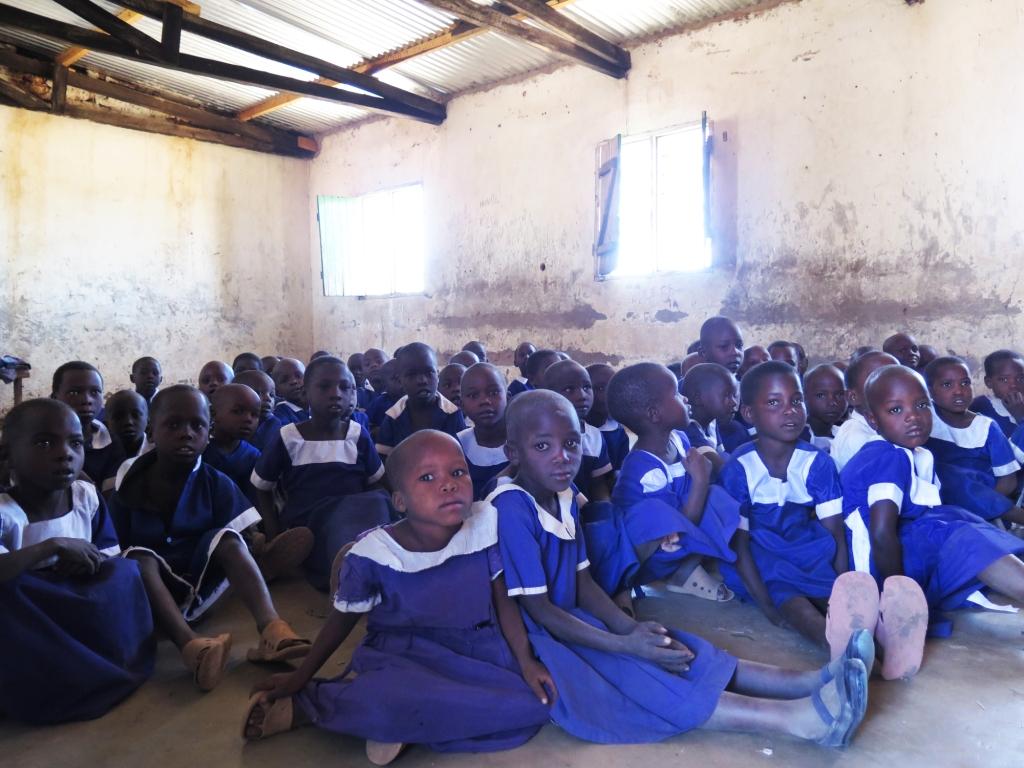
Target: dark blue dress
{"points": [[71, 649], [944, 547], [518, 386], [993, 407], [290, 413], [266, 431], [324, 484], [603, 697], [969, 461], [484, 463], [792, 550], [210, 507], [431, 670], [238, 465], [397, 424], [616, 438], [103, 457]]}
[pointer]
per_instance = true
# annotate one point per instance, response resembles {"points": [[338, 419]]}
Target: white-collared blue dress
{"points": [[648, 499], [289, 413], [518, 386], [993, 408], [792, 550], [944, 547], [484, 463], [602, 697], [70, 649], [265, 431], [434, 667], [397, 424], [850, 438], [210, 507], [616, 439], [324, 484], [238, 465], [969, 461], [103, 456], [595, 462]]}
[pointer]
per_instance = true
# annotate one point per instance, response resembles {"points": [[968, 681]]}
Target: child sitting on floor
{"points": [[1004, 375], [235, 411], [246, 361], [445, 655], [182, 521], [713, 395], [269, 425], [896, 521], [595, 478], [421, 407], [721, 342], [146, 375], [520, 357], [856, 430], [825, 398], [214, 374], [623, 681], [536, 365], [80, 386], [327, 470], [127, 417], [449, 382], [373, 361], [754, 355], [973, 458], [291, 405], [78, 635], [904, 348], [790, 545], [483, 402], [784, 351], [614, 434], [670, 521], [390, 392]]}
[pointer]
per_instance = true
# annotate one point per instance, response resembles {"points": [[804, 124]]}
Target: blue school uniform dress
{"points": [[969, 462], [364, 397], [266, 431], [431, 670], [102, 457], [238, 465], [397, 423], [824, 442], [71, 648], [379, 407], [518, 386], [792, 550], [324, 486], [602, 697], [616, 439], [706, 441], [993, 407], [595, 462], [290, 413], [850, 438], [647, 500], [209, 509], [944, 547], [484, 463]]}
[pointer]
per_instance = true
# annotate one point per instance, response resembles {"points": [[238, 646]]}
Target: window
{"points": [[372, 245], [653, 203]]}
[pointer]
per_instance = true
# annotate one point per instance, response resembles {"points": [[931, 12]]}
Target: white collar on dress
{"points": [[564, 529]]}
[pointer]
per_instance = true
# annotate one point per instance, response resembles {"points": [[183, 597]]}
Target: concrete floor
{"points": [[965, 708]]}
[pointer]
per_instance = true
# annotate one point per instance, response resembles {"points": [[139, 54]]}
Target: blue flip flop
{"points": [[861, 646]]}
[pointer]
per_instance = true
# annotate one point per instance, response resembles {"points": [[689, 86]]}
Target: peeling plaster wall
{"points": [[872, 180], [119, 243]]}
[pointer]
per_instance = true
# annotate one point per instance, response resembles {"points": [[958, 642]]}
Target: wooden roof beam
{"points": [[457, 32], [99, 41], [76, 53], [555, 42], [188, 121]]}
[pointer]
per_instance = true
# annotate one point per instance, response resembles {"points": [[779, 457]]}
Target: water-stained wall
{"points": [[118, 243], [868, 177]]}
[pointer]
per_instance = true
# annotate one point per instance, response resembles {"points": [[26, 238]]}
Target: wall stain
{"points": [[582, 316], [669, 316]]}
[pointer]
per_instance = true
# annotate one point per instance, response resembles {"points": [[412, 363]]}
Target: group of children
{"points": [[496, 535]]}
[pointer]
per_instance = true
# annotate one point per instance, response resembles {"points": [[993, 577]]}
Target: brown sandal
{"points": [[206, 658], [278, 642], [278, 717]]}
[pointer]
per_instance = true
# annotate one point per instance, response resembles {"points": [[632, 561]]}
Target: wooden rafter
{"points": [[182, 119], [565, 40], [380, 97], [413, 104], [455, 33], [76, 53]]}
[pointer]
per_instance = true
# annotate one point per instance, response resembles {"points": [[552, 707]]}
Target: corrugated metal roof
{"points": [[346, 32]]}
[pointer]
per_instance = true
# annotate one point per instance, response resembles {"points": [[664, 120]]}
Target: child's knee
{"points": [[230, 546]]}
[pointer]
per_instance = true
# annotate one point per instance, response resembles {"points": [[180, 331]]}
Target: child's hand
{"points": [[280, 686], [649, 640], [77, 557], [1014, 403], [697, 466], [540, 681]]}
